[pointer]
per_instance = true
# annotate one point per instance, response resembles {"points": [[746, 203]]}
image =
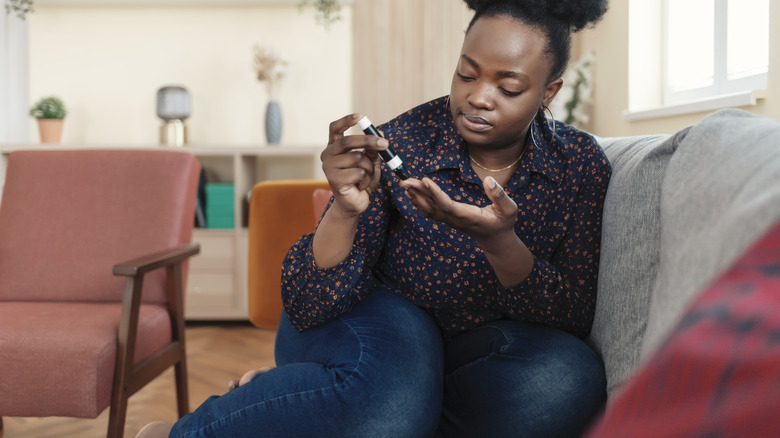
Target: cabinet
{"points": [[217, 281]]}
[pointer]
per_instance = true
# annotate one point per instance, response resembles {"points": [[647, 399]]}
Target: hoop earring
{"points": [[533, 137], [546, 108]]}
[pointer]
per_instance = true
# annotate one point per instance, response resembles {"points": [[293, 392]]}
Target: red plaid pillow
{"points": [[718, 374]]}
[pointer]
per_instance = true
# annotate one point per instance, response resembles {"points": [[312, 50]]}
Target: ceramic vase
{"points": [[273, 122]]}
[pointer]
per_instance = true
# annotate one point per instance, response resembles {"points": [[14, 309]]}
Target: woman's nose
{"points": [[481, 96]]}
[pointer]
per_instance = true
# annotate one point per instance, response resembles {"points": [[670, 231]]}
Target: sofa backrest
{"points": [[679, 209]]}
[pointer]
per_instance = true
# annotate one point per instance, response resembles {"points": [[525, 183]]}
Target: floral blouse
{"points": [[559, 188]]}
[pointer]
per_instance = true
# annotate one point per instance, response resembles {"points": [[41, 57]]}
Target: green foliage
{"points": [[49, 108], [328, 11], [19, 7]]}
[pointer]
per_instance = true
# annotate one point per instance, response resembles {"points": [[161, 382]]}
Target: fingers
{"points": [[340, 126], [250, 374], [428, 198], [501, 202], [344, 144], [233, 384]]}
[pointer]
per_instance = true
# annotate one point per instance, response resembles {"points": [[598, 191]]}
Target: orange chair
{"points": [[93, 250], [280, 212]]}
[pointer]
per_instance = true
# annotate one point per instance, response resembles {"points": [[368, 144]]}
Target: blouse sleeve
{"points": [[314, 296], [561, 292]]}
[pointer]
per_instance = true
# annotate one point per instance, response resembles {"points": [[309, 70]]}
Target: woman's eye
{"points": [[511, 93], [464, 78]]}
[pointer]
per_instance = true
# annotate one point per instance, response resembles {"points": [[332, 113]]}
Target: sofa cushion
{"points": [[720, 192], [629, 248], [717, 374]]}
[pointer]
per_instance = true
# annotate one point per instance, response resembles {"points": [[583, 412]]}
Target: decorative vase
{"points": [[273, 122], [50, 130]]}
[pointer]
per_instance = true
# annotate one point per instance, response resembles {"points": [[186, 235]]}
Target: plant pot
{"points": [[50, 130]]}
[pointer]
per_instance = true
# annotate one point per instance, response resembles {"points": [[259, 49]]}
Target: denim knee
{"points": [[387, 356], [520, 379]]}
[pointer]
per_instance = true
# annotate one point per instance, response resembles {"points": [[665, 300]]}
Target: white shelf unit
{"points": [[217, 283], [217, 280]]}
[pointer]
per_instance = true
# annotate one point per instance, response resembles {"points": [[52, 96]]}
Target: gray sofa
{"points": [[679, 210]]}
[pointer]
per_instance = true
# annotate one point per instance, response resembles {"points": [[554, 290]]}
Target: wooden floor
{"points": [[216, 354]]}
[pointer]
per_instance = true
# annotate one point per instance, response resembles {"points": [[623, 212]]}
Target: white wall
{"points": [[107, 64]]}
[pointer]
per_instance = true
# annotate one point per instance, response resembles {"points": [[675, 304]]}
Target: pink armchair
{"points": [[75, 336]]}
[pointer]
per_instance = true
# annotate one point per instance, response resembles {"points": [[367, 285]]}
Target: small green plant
{"points": [[49, 108], [327, 11], [20, 7]]}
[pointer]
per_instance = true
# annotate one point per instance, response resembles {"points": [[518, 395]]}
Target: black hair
{"points": [[557, 19]]}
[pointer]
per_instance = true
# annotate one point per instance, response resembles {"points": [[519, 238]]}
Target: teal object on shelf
{"points": [[220, 205]]}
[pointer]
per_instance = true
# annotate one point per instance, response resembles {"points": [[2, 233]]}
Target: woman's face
{"points": [[500, 82]]}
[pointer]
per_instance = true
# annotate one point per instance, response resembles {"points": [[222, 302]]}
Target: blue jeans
{"points": [[382, 370]]}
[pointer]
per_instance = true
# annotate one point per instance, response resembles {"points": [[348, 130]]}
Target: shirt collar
{"points": [[451, 152]]}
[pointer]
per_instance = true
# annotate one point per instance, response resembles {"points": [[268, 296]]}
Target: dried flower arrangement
{"points": [[20, 7], [269, 67]]}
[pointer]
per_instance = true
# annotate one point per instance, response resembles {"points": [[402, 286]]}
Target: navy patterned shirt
{"points": [[559, 188]]}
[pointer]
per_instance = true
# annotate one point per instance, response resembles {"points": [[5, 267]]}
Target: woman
{"points": [[452, 303]]}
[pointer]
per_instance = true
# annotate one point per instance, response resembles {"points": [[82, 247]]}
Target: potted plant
{"points": [[327, 11], [19, 7], [50, 112]]}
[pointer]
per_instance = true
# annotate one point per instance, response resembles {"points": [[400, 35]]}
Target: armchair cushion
{"points": [[77, 364]]}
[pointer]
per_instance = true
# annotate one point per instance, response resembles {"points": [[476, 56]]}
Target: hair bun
{"points": [[577, 14]]}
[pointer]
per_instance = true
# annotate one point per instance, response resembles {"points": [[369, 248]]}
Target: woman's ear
{"points": [[549, 93]]}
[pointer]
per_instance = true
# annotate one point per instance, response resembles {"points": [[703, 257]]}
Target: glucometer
{"points": [[388, 155]]}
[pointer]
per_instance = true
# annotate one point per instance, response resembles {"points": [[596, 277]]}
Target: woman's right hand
{"points": [[352, 166]]}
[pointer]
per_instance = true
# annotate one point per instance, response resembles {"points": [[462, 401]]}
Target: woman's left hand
{"points": [[491, 226], [494, 221]]}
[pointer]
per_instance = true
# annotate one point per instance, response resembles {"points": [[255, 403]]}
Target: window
{"points": [[695, 55], [714, 47]]}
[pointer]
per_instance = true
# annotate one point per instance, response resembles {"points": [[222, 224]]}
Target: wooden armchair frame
{"points": [[128, 379]]}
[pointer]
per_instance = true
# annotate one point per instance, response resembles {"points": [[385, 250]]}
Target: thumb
{"points": [[498, 196]]}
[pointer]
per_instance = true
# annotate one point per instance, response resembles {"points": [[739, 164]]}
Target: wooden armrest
{"points": [[157, 260]]}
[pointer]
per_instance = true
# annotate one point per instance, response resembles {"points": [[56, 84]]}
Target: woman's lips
{"points": [[476, 123]]}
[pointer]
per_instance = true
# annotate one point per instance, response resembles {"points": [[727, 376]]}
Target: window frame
{"points": [[721, 85]]}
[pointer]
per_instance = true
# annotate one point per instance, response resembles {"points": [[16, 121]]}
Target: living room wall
{"points": [[107, 63]]}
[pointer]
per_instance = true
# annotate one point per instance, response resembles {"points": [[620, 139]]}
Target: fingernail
{"points": [[492, 183], [382, 142]]}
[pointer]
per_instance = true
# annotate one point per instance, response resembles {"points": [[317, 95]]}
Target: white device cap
{"points": [[364, 122]]}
